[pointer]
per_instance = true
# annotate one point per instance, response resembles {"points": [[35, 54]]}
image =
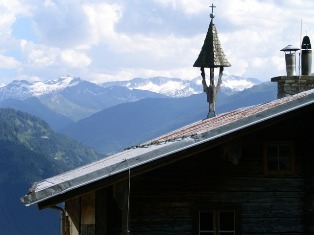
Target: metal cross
{"points": [[212, 6]]}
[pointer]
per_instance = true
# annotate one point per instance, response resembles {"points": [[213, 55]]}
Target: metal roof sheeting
{"points": [[166, 145]]}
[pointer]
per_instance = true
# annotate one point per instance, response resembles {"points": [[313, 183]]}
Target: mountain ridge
{"points": [[77, 101], [25, 157], [171, 87], [176, 87], [73, 98], [128, 124]]}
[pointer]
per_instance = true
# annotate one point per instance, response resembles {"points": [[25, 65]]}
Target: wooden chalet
{"points": [[249, 171]]}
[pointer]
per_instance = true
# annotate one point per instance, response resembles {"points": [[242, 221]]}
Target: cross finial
{"points": [[212, 6]]}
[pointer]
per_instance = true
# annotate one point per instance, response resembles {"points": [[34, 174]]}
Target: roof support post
{"points": [[121, 195], [64, 226], [211, 90]]}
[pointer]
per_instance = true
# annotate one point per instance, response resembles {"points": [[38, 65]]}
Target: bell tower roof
{"points": [[211, 55]]}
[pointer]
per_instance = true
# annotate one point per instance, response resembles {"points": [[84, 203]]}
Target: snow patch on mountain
{"points": [[40, 88], [21, 89], [169, 88], [238, 83], [175, 87]]}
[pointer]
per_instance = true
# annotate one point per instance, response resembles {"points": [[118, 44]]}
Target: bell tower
{"points": [[211, 56]]}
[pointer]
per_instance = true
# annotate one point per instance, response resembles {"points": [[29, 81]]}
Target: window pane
{"points": [[284, 151], [272, 151], [284, 157], [272, 164], [285, 163], [272, 157], [226, 233], [206, 221], [226, 221]]}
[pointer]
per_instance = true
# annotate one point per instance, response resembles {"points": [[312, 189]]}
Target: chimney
{"points": [[290, 59], [292, 84], [306, 53]]}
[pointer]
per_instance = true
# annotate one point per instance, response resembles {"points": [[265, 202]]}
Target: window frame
{"points": [[216, 210], [279, 172]]}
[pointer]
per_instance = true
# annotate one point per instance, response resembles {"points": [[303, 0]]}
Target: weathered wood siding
{"points": [[166, 200], [168, 204], [81, 214]]}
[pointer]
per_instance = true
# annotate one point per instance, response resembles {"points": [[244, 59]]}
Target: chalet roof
{"points": [[165, 147], [211, 55]]}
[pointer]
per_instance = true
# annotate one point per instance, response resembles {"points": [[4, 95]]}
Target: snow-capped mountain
{"points": [[238, 83], [175, 87], [21, 89], [171, 87], [76, 98]]}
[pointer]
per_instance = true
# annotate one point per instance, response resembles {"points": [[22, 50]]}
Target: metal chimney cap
{"points": [[290, 48], [306, 43]]}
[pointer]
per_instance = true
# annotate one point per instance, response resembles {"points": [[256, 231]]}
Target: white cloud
{"points": [[253, 14], [8, 62], [258, 62], [187, 6], [75, 59], [61, 23], [279, 64], [102, 18], [38, 55], [9, 11], [128, 74], [123, 39], [49, 3]]}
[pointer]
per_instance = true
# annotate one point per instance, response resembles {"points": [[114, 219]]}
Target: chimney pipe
{"points": [[306, 53], [291, 84], [290, 59]]}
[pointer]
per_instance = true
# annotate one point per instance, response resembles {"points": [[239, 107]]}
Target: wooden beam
{"points": [[88, 214], [121, 195]]}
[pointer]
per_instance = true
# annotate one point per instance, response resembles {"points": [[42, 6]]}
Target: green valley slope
{"points": [[30, 151]]}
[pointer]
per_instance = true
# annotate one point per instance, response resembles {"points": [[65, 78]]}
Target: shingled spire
{"points": [[211, 56]]}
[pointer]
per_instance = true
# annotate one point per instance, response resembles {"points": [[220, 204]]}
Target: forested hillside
{"points": [[30, 151]]}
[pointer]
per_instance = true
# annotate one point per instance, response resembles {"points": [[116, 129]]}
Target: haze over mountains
{"points": [[105, 117], [171, 87], [115, 115], [74, 98], [30, 151]]}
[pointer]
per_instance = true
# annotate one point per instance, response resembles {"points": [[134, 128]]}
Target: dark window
{"points": [[278, 158], [217, 223]]}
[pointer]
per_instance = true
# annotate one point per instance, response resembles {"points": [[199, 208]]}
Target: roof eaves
{"points": [[128, 159], [147, 153]]}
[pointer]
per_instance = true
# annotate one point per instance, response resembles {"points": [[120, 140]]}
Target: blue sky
{"points": [[106, 40]]}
